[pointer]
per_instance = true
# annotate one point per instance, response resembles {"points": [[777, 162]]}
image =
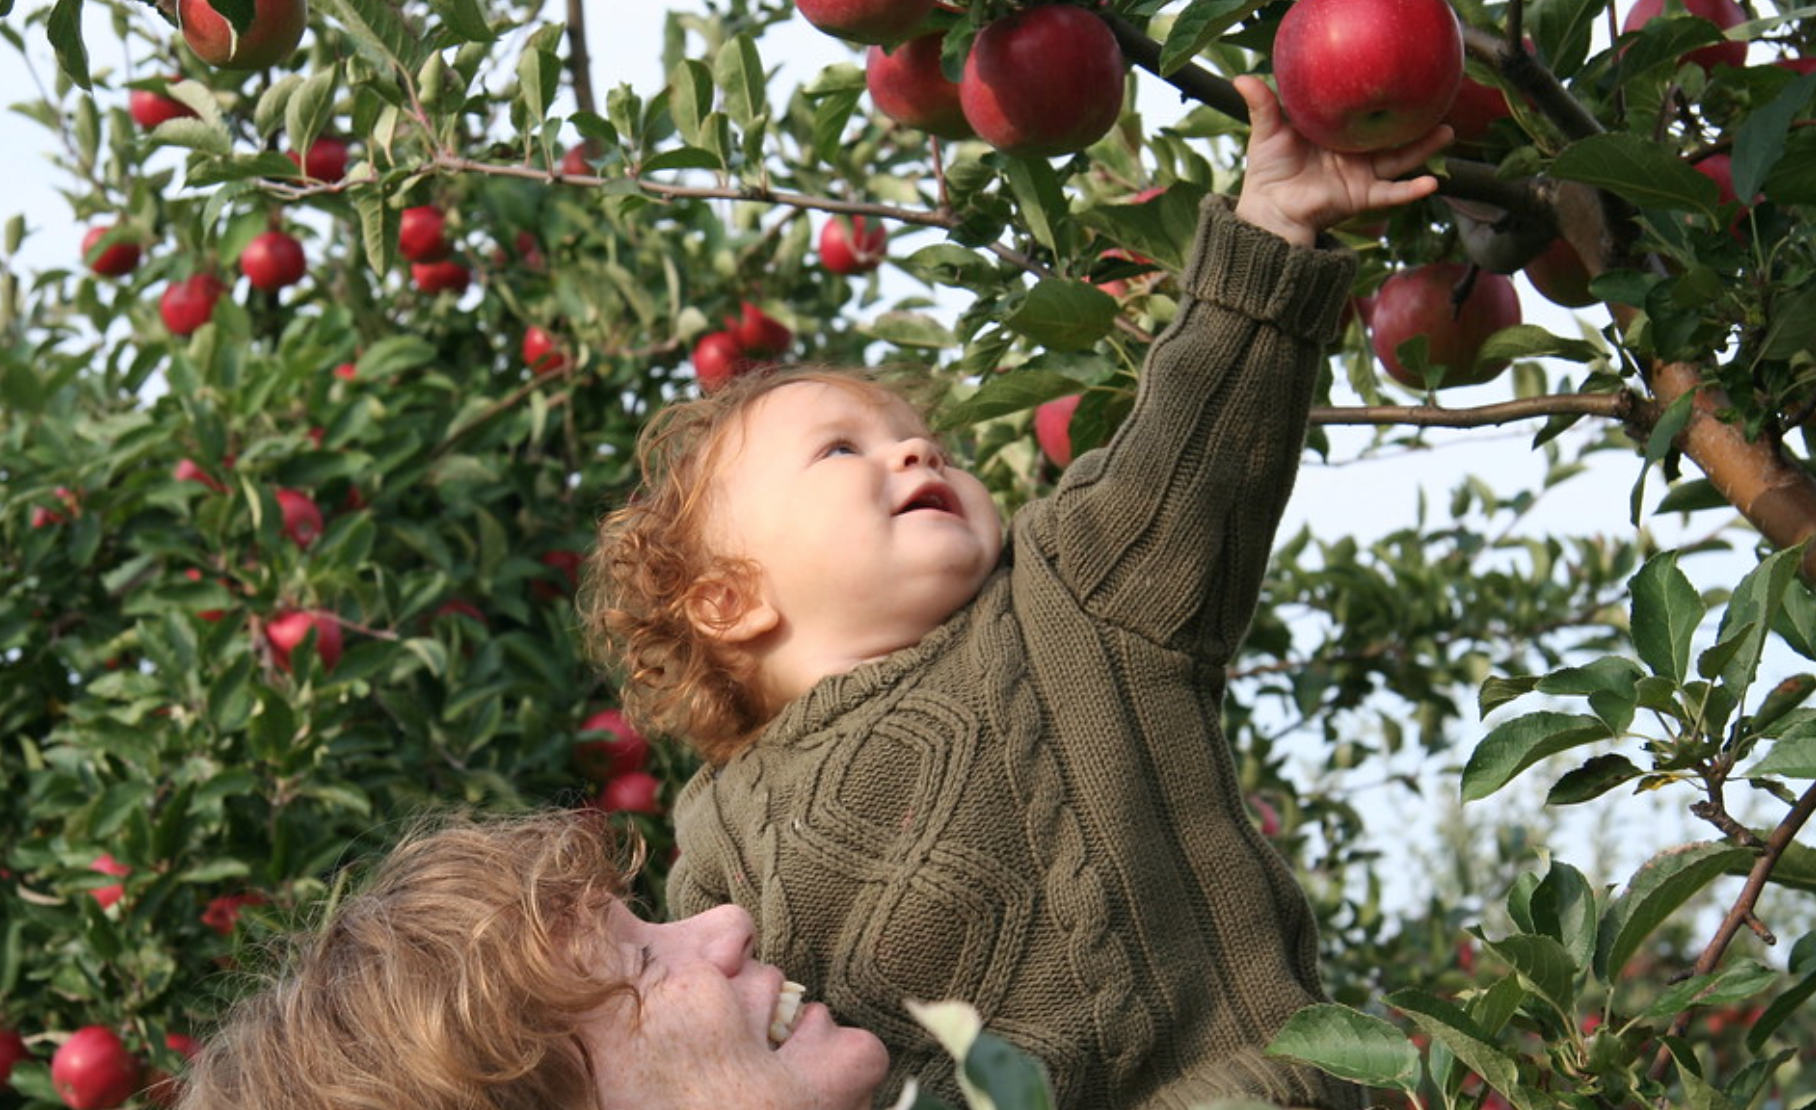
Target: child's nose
{"points": [[920, 451]]}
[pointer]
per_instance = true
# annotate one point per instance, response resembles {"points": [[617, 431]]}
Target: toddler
{"points": [[945, 762]]}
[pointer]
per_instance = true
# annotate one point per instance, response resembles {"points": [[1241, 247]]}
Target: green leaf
{"points": [[1760, 141], [538, 81], [1449, 1024], [1790, 759], [1792, 327], [1598, 775], [1002, 394], [1779, 1010], [65, 30], [830, 115], [1515, 745], [378, 223], [738, 70], [1665, 612], [1350, 1045], [1533, 341], [311, 107], [1197, 25], [1642, 172], [1006, 1075], [1039, 197], [375, 27], [1564, 31], [1654, 893], [1749, 614], [1544, 967], [1161, 229], [1737, 982], [464, 19], [948, 264], [910, 329], [1498, 691], [1563, 906], [684, 158], [194, 134], [1063, 315]]}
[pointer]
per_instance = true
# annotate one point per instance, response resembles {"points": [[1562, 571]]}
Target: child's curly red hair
{"points": [[652, 587]]}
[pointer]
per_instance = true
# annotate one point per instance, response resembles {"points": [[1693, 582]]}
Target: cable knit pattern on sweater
{"points": [[1034, 808]]}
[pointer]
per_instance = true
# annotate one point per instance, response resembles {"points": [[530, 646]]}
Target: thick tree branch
{"points": [[580, 62]]}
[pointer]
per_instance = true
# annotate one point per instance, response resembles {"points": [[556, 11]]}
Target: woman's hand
{"points": [[1295, 188]]}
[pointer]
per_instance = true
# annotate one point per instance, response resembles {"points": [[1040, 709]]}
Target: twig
{"points": [[1613, 406]]}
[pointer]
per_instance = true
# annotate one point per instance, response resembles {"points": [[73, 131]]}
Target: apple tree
{"points": [[301, 446]]}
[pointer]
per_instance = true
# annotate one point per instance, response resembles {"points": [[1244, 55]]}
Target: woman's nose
{"points": [[727, 937]]}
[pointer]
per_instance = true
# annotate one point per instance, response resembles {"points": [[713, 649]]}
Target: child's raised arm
{"points": [[1296, 189]]}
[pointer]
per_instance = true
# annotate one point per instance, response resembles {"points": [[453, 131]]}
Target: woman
{"points": [[494, 964]]}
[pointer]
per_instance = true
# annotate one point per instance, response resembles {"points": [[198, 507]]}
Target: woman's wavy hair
{"points": [[454, 979], [652, 575]]}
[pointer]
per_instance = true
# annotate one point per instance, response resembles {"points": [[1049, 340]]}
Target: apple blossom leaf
{"points": [[1656, 890], [830, 115], [1500, 690], [1544, 967], [378, 224], [1002, 394], [1449, 1024], [65, 30], [1563, 30], [464, 19], [691, 96], [948, 264], [1349, 1044], [1533, 341], [538, 80], [1007, 1076], [1662, 42], [684, 158], [268, 113], [1511, 747], [1748, 616], [738, 70], [1793, 325], [194, 134], [375, 29], [1198, 25], [910, 329], [1161, 229], [1063, 315], [264, 164], [1647, 174]]}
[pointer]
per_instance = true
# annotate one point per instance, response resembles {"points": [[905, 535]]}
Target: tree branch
{"points": [[580, 62], [1613, 406]]}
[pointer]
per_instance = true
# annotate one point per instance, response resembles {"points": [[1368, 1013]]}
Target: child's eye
{"points": [[839, 447]]}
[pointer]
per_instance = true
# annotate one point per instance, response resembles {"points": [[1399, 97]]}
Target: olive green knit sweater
{"points": [[1034, 808]]}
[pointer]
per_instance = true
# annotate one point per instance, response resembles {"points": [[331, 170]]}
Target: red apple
{"points": [[148, 108], [1266, 817], [907, 85], [422, 234], [1361, 75], [620, 751], [1475, 110], [876, 21], [223, 912], [460, 607], [287, 629], [188, 470], [1043, 81], [324, 160], [112, 892], [849, 246], [117, 258], [302, 518], [541, 352], [1559, 275], [13, 1051], [632, 792], [1797, 65], [577, 162], [1419, 302], [1053, 428], [273, 260], [717, 357], [277, 26], [188, 304], [1723, 13], [446, 276], [758, 333], [93, 1071], [162, 1089], [346, 371]]}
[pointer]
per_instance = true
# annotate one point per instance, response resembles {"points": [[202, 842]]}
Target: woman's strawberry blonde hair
{"points": [[652, 573], [454, 979]]}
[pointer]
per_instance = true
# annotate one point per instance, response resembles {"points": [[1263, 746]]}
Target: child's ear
{"points": [[723, 612]]}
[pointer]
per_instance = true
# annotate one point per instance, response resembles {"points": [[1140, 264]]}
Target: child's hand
{"points": [[1296, 189]]}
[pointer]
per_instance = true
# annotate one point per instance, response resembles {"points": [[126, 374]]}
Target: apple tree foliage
{"points": [[145, 715]]}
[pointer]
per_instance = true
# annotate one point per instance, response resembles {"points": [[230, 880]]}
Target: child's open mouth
{"points": [[935, 496]]}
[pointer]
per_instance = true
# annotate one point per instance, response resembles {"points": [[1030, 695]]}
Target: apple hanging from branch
{"points": [[1455, 308], [1362, 75], [1043, 81]]}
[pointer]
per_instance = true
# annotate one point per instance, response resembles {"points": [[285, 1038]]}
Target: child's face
{"points": [[863, 535]]}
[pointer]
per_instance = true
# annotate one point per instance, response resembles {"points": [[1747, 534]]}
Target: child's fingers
{"points": [[1405, 159], [1264, 110]]}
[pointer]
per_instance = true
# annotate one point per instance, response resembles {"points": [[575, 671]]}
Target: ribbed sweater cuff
{"points": [[1241, 267]]}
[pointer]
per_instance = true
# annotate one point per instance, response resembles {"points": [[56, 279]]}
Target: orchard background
{"points": [[411, 450]]}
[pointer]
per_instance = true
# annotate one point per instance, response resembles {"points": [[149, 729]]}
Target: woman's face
{"points": [[702, 1037]]}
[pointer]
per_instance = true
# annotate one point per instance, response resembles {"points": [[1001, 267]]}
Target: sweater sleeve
{"points": [[1167, 530]]}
